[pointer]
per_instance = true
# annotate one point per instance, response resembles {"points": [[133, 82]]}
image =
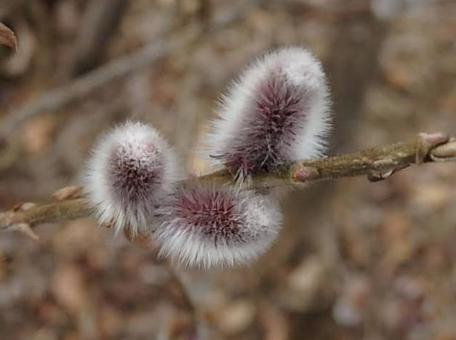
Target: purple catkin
{"points": [[209, 227], [135, 174], [131, 169], [279, 112], [276, 113]]}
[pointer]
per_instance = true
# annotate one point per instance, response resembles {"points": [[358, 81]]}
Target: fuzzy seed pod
{"points": [[217, 227], [130, 171], [277, 112]]}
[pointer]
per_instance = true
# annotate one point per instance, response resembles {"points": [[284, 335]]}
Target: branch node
{"points": [[379, 176], [304, 174], [66, 193], [444, 153], [426, 143], [24, 206]]}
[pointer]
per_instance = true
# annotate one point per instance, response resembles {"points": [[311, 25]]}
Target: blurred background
{"points": [[355, 260]]}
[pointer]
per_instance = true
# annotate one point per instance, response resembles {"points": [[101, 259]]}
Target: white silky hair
{"points": [[186, 245], [302, 70], [108, 208]]}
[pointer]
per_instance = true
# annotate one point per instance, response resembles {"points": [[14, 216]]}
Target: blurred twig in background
{"points": [[98, 25], [85, 85]]}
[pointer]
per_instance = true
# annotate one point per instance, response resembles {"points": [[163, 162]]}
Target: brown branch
{"points": [[376, 163]]}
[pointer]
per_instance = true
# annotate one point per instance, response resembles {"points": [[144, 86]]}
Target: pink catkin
{"points": [[131, 169], [208, 227], [276, 113]]}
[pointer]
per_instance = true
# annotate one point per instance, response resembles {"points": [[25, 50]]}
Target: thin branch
{"points": [[85, 85], [376, 163], [45, 213]]}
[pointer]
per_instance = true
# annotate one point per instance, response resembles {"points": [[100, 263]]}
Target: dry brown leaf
{"points": [[7, 37]]}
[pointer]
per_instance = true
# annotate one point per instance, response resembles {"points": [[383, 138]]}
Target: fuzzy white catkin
{"points": [[212, 227], [275, 113], [129, 172]]}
